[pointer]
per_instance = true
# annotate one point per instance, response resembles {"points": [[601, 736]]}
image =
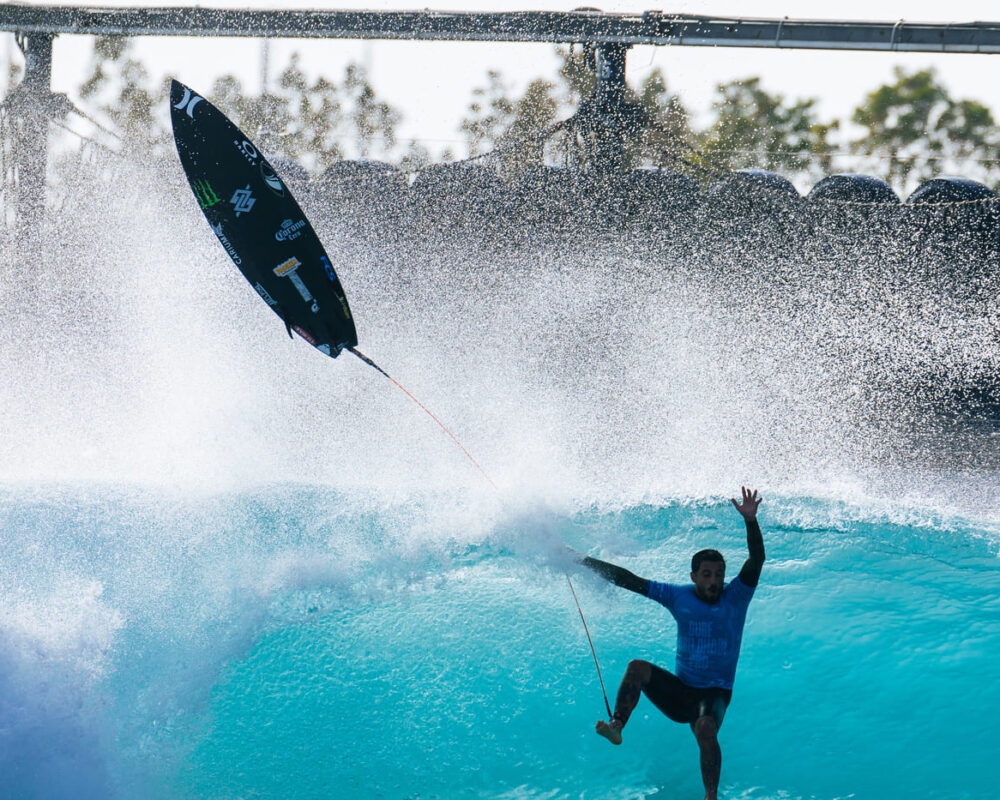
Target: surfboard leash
{"points": [[591, 643], [427, 411], [475, 463]]}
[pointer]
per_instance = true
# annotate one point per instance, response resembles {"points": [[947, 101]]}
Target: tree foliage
{"points": [[312, 121], [316, 122], [515, 126], [121, 88], [489, 114], [371, 122], [534, 112], [667, 131], [576, 73], [914, 128], [511, 126], [910, 129], [754, 128]]}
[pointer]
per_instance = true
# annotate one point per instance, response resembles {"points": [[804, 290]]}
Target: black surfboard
{"points": [[258, 222]]}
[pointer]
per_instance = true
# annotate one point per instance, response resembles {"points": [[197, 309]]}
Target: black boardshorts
{"points": [[683, 703]]}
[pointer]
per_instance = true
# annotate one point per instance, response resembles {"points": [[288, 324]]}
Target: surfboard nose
{"points": [[177, 90]]}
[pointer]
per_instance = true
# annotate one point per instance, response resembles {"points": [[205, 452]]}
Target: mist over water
{"points": [[219, 544], [136, 353]]}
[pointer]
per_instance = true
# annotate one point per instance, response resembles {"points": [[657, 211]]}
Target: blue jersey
{"points": [[708, 634]]}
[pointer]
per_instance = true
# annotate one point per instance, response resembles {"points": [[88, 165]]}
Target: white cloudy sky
{"points": [[431, 82]]}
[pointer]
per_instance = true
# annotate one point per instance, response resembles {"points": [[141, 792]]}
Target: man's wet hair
{"points": [[706, 555]]}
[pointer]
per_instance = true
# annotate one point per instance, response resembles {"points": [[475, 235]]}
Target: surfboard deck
{"points": [[259, 224]]}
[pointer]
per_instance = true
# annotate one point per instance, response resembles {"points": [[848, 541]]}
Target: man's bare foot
{"points": [[612, 731]]}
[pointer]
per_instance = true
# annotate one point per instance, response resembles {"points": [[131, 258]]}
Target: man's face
{"points": [[709, 580]]}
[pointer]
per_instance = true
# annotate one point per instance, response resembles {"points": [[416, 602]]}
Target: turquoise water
{"points": [[300, 641]]}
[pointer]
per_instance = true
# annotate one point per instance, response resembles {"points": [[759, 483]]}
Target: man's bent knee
{"points": [[639, 671], [705, 730]]}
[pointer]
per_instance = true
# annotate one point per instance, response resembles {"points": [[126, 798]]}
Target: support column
{"points": [[610, 96], [31, 123]]}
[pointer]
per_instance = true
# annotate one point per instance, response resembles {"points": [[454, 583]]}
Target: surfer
{"points": [[710, 617]]}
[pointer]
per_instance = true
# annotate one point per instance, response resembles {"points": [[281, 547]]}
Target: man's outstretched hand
{"points": [[748, 508]]}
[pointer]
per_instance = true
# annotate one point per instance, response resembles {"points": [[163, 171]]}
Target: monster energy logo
{"points": [[205, 194]]}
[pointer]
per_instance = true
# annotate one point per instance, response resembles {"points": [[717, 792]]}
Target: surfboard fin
{"points": [[284, 318]]}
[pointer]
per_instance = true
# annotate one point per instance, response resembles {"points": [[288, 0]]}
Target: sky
{"points": [[431, 83]]}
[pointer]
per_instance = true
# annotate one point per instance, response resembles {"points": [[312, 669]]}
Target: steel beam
{"points": [[650, 28]]}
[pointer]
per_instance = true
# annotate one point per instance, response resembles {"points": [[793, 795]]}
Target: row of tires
{"points": [[464, 191], [869, 246]]}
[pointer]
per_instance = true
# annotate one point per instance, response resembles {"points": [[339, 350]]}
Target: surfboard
{"points": [[259, 224]]}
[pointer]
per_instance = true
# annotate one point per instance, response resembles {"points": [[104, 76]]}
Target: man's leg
{"points": [[706, 731], [636, 678]]}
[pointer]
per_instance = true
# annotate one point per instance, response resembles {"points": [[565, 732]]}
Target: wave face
{"points": [[295, 641], [231, 567]]}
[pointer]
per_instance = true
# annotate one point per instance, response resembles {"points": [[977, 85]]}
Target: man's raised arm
{"points": [[750, 573], [617, 575]]}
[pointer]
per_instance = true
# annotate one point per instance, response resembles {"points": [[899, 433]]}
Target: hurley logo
{"points": [[188, 102]]}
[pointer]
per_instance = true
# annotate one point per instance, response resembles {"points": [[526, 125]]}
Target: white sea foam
{"points": [[55, 643]]}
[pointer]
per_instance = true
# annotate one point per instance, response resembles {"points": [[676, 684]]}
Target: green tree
{"points": [[975, 137], [657, 122], [522, 145], [913, 127], [497, 122], [313, 122], [120, 86], [260, 116], [665, 130], [489, 115], [498, 119], [305, 118], [372, 121], [754, 128], [535, 111], [576, 72], [653, 122], [415, 158], [13, 74]]}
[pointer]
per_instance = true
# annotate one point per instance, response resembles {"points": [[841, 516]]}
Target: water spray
{"points": [[268, 237], [483, 472]]}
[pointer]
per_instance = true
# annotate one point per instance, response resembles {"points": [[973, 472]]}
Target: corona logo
{"points": [[289, 230]]}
